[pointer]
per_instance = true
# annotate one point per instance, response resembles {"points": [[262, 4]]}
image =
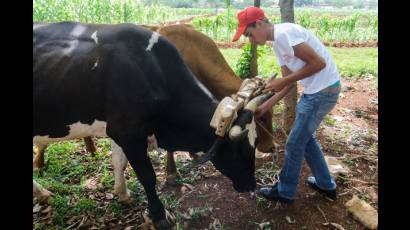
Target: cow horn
{"points": [[236, 133], [254, 103], [211, 152]]}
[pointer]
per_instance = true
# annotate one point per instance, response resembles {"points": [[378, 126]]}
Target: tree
{"points": [[254, 58], [290, 100], [299, 3], [269, 3]]}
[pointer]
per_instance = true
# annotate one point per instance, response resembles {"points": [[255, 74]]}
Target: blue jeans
{"points": [[302, 144]]}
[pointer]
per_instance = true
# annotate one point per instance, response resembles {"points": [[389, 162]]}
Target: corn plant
{"points": [[106, 11]]}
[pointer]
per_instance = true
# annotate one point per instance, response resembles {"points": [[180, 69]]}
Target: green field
{"points": [[329, 26], [109, 11], [351, 62]]}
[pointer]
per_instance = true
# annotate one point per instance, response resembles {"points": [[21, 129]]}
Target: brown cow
{"points": [[208, 64]]}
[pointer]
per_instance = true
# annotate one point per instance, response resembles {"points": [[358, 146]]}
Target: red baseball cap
{"points": [[245, 17]]}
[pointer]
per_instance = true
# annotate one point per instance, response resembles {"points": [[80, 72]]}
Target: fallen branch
{"points": [[323, 214], [69, 227], [360, 181], [345, 193], [365, 157], [338, 226]]}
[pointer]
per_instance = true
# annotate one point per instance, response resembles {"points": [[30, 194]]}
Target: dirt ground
{"points": [[209, 201], [241, 211]]}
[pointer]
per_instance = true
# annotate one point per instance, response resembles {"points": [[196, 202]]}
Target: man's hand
{"points": [[276, 85]]}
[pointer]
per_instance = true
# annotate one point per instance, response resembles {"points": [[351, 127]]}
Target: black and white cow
{"points": [[115, 81]]}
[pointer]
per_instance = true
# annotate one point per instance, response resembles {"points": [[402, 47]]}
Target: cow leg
{"points": [[138, 157], [41, 193], [89, 145], [152, 143], [119, 161], [38, 162], [194, 156], [171, 169]]}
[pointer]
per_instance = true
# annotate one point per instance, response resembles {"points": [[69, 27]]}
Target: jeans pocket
{"points": [[328, 97]]}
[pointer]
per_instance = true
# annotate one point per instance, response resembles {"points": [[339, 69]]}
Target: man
{"points": [[303, 58]]}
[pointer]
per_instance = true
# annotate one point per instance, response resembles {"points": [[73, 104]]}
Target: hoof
{"points": [[173, 180], [167, 223], [163, 224], [194, 156], [37, 167], [126, 198], [44, 197]]}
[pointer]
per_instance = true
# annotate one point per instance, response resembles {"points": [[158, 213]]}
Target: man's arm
{"points": [[264, 107], [279, 95], [314, 63]]}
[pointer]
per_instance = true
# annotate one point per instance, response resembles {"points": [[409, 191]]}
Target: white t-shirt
{"points": [[287, 35]]}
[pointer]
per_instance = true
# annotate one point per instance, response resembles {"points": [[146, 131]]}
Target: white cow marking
{"points": [[95, 64], [77, 130], [252, 134], [71, 46], [38, 26], [94, 36], [152, 41], [78, 30]]}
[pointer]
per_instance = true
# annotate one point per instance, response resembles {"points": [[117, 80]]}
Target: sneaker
{"points": [[328, 193], [271, 193]]}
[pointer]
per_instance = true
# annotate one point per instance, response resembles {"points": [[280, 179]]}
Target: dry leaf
{"points": [[337, 226], [109, 196], [190, 187], [216, 224], [184, 189], [48, 209], [290, 221], [36, 208], [262, 226], [91, 183], [185, 216]]}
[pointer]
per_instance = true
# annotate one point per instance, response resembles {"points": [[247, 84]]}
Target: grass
{"points": [[355, 62], [328, 120], [67, 167], [61, 208], [116, 207], [169, 200], [351, 62], [83, 205], [40, 226]]}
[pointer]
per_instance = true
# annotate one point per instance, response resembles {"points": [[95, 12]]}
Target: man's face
{"points": [[256, 34]]}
